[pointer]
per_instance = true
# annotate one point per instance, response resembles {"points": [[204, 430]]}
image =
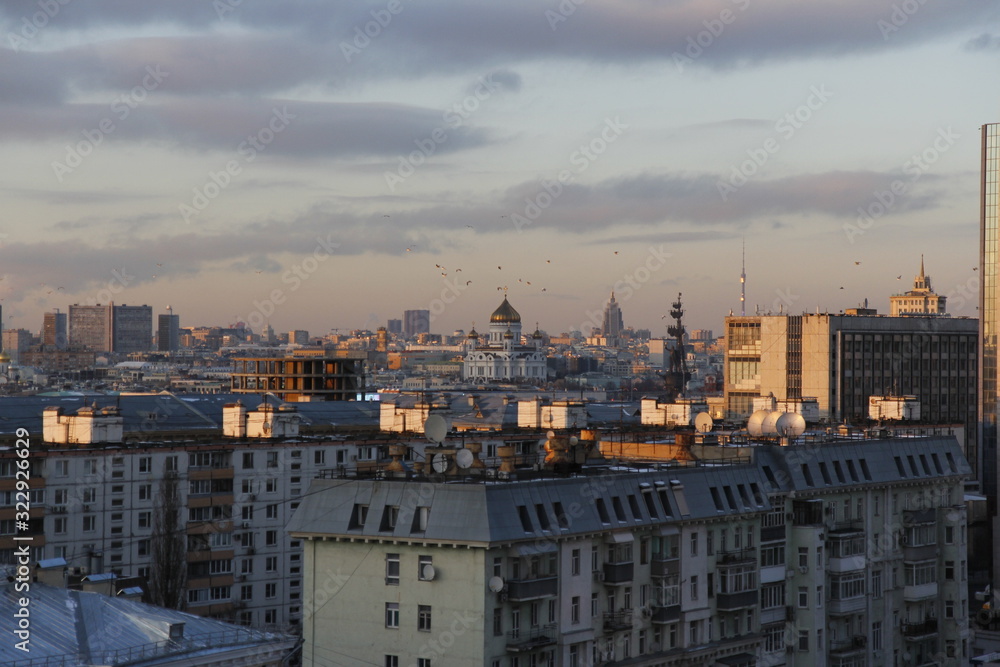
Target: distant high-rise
{"points": [[394, 326], [54, 330], [416, 322], [168, 328], [110, 328], [298, 337], [921, 300], [613, 323], [90, 327]]}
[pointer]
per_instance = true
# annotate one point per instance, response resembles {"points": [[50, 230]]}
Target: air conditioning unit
{"points": [[803, 569], [251, 551], [86, 508], [246, 524], [252, 497], [598, 575], [646, 612]]}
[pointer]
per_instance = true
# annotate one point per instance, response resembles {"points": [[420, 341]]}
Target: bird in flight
{"points": [[857, 263]]}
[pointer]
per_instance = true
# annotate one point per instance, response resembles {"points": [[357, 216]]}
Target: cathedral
{"points": [[503, 358]]}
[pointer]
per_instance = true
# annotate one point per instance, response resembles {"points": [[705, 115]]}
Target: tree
{"points": [[168, 573]]}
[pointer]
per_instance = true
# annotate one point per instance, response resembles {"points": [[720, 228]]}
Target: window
{"points": [[246, 592], [497, 621], [59, 525], [392, 569], [424, 618], [392, 614], [89, 523], [803, 640], [142, 547], [319, 457], [391, 661], [772, 555], [694, 587], [575, 562], [774, 638], [876, 583], [949, 609], [803, 597], [420, 518], [271, 485], [803, 556], [847, 586], [248, 460], [918, 574], [594, 604], [246, 512], [389, 517], [270, 590], [272, 511], [425, 568], [949, 570], [772, 596], [145, 519], [271, 538], [272, 459], [62, 468], [694, 545], [359, 516], [271, 564], [877, 635], [270, 616], [423, 662], [246, 566], [145, 464]]}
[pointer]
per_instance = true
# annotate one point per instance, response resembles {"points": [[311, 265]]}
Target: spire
{"points": [[743, 281], [921, 265]]}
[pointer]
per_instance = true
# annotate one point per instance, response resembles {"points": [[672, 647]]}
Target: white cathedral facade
{"points": [[503, 358]]}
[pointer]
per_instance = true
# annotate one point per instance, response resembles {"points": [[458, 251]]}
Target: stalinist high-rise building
{"points": [[611, 328]]}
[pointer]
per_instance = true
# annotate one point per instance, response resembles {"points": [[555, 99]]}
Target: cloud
{"points": [[984, 42]]}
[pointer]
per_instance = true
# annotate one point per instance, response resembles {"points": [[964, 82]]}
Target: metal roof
{"points": [[76, 628]]}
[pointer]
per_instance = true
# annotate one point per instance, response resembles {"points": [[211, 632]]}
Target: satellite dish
{"points": [[755, 422], [791, 425], [439, 463], [436, 428], [427, 572], [770, 421], [550, 435], [703, 422], [496, 584], [464, 458], [573, 440]]}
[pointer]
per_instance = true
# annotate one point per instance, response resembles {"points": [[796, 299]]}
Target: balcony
{"points": [[519, 590], [664, 567], [617, 620], [667, 614], [920, 592], [531, 639], [848, 606], [918, 631], [772, 533], [842, 648], [618, 573], [734, 601], [736, 557], [843, 564]]}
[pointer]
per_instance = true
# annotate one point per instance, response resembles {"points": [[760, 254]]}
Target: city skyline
{"points": [[277, 163]]}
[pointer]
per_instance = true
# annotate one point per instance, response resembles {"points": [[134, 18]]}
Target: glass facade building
{"points": [[988, 273]]}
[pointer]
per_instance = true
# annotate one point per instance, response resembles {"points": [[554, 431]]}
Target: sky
{"points": [[328, 165]]}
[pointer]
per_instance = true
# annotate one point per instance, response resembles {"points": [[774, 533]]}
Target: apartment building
{"points": [[841, 555]]}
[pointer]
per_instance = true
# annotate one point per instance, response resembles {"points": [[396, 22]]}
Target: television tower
{"points": [[743, 281]]}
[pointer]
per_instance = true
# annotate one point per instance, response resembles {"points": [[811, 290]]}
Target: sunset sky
{"points": [[330, 164]]}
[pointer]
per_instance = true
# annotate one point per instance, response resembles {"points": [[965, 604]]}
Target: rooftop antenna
{"points": [[743, 281]]}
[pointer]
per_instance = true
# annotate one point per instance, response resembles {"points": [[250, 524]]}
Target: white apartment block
{"points": [[848, 554]]}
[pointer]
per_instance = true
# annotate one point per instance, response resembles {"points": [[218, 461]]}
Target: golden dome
{"points": [[505, 314]]}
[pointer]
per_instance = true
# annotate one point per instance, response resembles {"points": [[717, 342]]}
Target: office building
{"points": [[110, 328], [301, 377], [921, 300], [90, 327], [298, 337], [416, 322], [55, 333], [16, 342], [394, 326], [841, 555], [844, 360], [168, 332]]}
